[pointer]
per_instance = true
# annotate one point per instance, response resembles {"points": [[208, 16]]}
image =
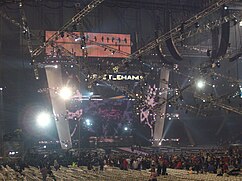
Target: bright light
{"points": [[43, 119], [125, 128], [200, 84], [65, 93], [88, 122]]}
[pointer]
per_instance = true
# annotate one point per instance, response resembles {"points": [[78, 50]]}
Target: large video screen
{"points": [[106, 117], [95, 44]]}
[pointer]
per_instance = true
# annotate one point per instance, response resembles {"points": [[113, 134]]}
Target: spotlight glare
{"points": [[43, 119], [125, 128], [200, 84], [65, 93], [88, 122]]}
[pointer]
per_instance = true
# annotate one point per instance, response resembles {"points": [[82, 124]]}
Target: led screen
{"points": [[96, 44]]}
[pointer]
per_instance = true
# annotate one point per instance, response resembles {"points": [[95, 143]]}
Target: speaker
{"points": [[172, 49], [225, 32]]}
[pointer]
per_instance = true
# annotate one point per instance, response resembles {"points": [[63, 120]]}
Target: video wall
{"points": [[95, 44], [105, 118]]}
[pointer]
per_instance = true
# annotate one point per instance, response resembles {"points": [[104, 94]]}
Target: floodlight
{"points": [[65, 93], [200, 84], [43, 119], [88, 122]]}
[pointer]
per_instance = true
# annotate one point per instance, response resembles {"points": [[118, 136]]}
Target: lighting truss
{"points": [[5, 16], [80, 15], [219, 103], [177, 30], [26, 30]]}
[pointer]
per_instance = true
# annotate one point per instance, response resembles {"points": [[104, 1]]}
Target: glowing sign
{"points": [[119, 77], [96, 44]]}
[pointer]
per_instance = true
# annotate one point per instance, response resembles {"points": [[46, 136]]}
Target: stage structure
{"points": [[54, 79], [161, 112]]}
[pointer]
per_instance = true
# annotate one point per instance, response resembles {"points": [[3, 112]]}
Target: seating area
{"points": [[109, 174]]}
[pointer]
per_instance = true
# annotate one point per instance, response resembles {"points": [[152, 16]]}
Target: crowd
{"points": [[221, 162]]}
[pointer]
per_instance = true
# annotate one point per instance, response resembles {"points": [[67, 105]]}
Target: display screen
{"points": [[95, 44]]}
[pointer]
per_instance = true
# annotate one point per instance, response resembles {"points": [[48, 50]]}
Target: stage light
{"points": [[197, 25], [65, 93], [88, 122], [43, 119], [126, 128], [200, 84]]}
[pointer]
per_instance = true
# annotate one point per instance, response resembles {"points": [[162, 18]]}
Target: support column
{"points": [[160, 118], [54, 79]]}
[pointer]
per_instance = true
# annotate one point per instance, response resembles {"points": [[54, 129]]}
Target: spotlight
{"points": [[217, 64], [169, 104], [235, 21], [126, 128], [88, 122], [225, 7], [65, 93], [200, 84], [43, 119], [62, 34], [197, 25]]}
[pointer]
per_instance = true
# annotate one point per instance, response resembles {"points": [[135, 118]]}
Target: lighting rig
{"points": [[176, 33], [27, 34], [136, 55], [78, 17], [219, 102]]}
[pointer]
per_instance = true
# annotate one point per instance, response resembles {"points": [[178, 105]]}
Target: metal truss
{"points": [[178, 35], [177, 30], [75, 19], [26, 31], [5, 16], [218, 102]]}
